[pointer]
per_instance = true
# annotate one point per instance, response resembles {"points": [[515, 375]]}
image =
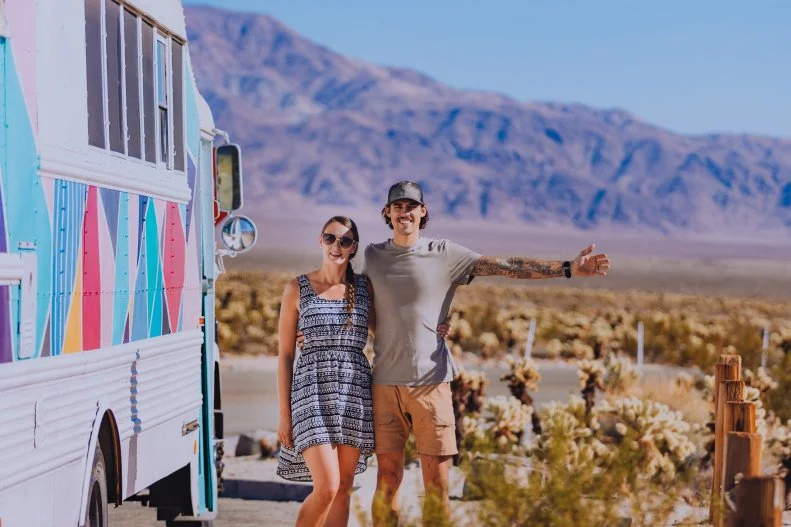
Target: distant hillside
{"points": [[337, 130]]}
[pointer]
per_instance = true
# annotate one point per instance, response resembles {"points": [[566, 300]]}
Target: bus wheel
{"points": [[189, 524], [96, 515]]}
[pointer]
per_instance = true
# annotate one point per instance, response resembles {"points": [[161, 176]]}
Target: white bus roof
{"points": [[168, 13], [205, 116]]}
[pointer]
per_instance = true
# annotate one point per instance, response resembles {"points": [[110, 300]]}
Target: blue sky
{"points": [[694, 66]]}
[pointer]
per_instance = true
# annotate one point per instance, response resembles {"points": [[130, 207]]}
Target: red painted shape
{"points": [[174, 262], [91, 276]]}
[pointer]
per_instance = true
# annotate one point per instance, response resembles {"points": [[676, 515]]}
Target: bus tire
{"points": [[96, 512], [207, 523]]}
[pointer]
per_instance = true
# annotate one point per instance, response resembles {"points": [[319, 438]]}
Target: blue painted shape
{"points": [[25, 210], [154, 274], [141, 223], [140, 315], [121, 247], [183, 214], [110, 200], [192, 173], [69, 205]]}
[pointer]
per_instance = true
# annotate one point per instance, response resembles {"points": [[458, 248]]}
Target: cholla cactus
{"points": [[572, 428], [753, 395], [591, 376], [506, 421], [489, 344], [522, 380], [759, 380], [579, 350], [468, 390], [620, 374], [590, 371], [554, 348], [656, 431], [780, 444], [707, 388], [684, 382]]}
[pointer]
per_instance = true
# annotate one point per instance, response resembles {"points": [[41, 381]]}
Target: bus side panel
{"points": [[116, 319]]}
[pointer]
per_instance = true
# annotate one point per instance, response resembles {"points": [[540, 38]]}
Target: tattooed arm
{"points": [[517, 267], [585, 264]]}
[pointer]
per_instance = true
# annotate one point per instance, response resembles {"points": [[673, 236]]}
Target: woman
{"points": [[326, 420]]}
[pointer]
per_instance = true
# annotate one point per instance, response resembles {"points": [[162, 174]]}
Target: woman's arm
{"points": [[371, 309], [287, 328]]}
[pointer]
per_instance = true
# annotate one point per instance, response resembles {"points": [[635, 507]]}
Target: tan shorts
{"points": [[427, 410]]}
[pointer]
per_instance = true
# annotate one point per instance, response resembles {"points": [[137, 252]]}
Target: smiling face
{"points": [[405, 216], [338, 243]]}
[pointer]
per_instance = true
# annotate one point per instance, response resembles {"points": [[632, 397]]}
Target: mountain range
{"points": [[320, 128]]}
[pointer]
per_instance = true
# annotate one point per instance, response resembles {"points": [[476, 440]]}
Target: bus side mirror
{"points": [[229, 177], [239, 234]]}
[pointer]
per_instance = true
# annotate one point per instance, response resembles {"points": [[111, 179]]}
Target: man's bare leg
{"points": [[435, 480], [390, 472]]}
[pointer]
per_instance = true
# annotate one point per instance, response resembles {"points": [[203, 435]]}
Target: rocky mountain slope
{"points": [[322, 128]]}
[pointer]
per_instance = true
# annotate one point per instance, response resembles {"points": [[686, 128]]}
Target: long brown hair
{"points": [[351, 278]]}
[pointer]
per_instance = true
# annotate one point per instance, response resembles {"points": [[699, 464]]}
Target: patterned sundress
{"points": [[331, 386]]}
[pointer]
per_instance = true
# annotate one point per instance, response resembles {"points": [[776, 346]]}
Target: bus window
{"points": [[149, 126], [93, 56], [131, 43], [178, 105], [163, 100], [113, 31]]}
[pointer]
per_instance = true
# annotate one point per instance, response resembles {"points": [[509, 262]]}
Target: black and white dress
{"points": [[331, 386]]}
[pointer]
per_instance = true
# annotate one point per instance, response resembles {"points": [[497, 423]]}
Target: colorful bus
{"points": [[112, 180]]}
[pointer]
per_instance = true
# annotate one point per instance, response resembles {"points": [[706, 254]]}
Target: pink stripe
{"points": [[107, 276], [175, 247], [21, 22], [91, 276]]}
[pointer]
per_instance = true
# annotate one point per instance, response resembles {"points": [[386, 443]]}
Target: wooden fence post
{"points": [[742, 456], [740, 416], [729, 391], [759, 502], [722, 372], [736, 360]]}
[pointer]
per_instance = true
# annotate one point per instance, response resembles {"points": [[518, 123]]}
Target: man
{"points": [[414, 280]]}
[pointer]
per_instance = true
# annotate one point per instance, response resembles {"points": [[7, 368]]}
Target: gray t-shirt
{"points": [[413, 290]]}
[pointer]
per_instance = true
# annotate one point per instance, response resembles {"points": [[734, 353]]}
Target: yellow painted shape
{"points": [[72, 342]]}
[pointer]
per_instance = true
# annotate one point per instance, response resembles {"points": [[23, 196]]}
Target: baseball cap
{"points": [[405, 190]]}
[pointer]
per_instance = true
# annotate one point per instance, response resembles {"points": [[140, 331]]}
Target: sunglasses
{"points": [[344, 241]]}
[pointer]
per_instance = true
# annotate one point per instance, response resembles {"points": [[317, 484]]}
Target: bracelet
{"points": [[567, 269]]}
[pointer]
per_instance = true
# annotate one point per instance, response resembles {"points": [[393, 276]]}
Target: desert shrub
{"points": [[522, 380], [582, 475]]}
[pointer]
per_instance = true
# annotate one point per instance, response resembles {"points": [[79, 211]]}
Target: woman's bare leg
{"points": [[322, 462], [348, 458]]}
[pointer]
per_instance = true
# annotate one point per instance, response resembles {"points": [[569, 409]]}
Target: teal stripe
{"points": [[154, 270], [121, 303], [26, 210]]}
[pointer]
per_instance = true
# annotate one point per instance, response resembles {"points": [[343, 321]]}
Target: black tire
{"points": [[208, 523], [96, 513]]}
